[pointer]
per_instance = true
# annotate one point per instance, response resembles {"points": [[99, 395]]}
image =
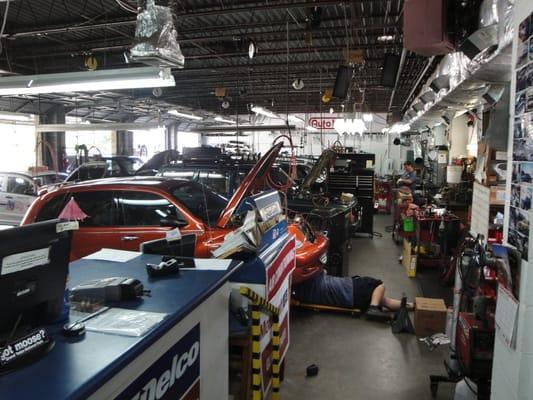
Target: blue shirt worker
{"points": [[408, 177]]}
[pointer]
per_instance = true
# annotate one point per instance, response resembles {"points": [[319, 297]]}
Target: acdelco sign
{"points": [[173, 375], [326, 124]]}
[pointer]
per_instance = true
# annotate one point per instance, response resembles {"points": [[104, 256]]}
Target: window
{"points": [[52, 209], [144, 209], [112, 168], [200, 201], [88, 172], [20, 185], [98, 206]]}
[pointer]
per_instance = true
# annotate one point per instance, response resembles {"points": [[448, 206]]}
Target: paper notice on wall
{"points": [[506, 316], [26, 260]]}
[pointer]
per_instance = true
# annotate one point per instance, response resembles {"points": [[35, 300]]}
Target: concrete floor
{"points": [[359, 359]]}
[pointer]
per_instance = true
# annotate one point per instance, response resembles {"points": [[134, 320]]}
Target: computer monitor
{"points": [[33, 272], [179, 248]]}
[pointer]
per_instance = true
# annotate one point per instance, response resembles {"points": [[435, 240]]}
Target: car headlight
{"points": [[324, 258]]}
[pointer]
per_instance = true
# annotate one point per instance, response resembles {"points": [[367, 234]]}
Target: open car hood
{"points": [[254, 180], [325, 161]]}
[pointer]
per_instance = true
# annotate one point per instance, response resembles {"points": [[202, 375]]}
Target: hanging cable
{"points": [[4, 26], [125, 6]]}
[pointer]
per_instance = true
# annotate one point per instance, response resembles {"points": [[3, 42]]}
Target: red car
{"points": [[124, 212]]}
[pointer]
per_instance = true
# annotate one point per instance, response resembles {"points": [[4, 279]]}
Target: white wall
{"points": [[389, 158], [512, 371]]}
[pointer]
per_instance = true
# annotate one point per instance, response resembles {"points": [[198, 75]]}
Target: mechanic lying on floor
{"points": [[364, 293]]}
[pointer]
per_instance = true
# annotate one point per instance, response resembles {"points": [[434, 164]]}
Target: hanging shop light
{"points": [[184, 115], [264, 111], [87, 81], [368, 117], [227, 121], [294, 118], [399, 128], [350, 126], [298, 84]]}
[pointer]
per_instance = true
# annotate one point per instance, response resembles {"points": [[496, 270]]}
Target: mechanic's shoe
{"points": [[374, 313]]}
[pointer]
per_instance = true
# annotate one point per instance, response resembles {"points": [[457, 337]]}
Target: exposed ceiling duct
{"points": [[156, 38], [468, 79]]}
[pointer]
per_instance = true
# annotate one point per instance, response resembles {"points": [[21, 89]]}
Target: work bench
{"points": [[106, 366]]}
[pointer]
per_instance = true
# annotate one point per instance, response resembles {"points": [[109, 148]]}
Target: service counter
{"points": [[184, 357]]}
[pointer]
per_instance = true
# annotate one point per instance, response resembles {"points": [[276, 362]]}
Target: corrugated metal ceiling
{"points": [[47, 36]]}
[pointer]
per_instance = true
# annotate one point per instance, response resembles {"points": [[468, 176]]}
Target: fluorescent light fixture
{"points": [[87, 81], [309, 128], [295, 118], [227, 121], [5, 116], [399, 128], [385, 38], [349, 126], [184, 115], [265, 112], [367, 117]]}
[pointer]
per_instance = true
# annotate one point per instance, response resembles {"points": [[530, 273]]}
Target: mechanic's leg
{"points": [[395, 305], [377, 295]]}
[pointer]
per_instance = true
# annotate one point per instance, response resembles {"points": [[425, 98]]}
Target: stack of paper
{"points": [[243, 239]]}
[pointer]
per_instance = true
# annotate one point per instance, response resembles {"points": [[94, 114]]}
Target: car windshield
{"points": [[201, 201], [131, 164], [215, 180]]}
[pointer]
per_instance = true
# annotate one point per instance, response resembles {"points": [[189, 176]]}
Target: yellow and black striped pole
{"points": [[256, 352], [275, 357], [259, 302]]}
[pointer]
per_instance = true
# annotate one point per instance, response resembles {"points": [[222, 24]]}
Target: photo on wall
{"points": [[521, 79], [520, 105], [519, 130], [521, 242], [524, 29], [525, 172], [522, 57], [514, 173], [515, 195], [519, 221], [523, 149], [526, 193], [529, 99]]}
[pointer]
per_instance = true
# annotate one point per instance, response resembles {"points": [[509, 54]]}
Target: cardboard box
{"points": [[409, 259], [430, 316], [497, 195]]}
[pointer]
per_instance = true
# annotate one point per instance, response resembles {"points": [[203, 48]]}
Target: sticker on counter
{"points": [[175, 375], [21, 261], [173, 235], [67, 226]]}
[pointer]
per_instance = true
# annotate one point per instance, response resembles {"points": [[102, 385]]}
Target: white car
{"points": [[18, 190]]}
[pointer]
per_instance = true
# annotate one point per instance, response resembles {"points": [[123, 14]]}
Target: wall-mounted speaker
{"points": [[342, 81], [391, 63]]}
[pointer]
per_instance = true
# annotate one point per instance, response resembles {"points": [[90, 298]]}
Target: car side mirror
{"points": [[173, 222]]}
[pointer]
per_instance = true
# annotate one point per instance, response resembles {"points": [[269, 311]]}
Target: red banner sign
{"points": [[326, 124]]}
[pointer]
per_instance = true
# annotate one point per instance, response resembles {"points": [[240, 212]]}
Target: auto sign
{"points": [[323, 123]]}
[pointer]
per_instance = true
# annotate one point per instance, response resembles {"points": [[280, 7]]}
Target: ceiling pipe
{"points": [[430, 61], [398, 74], [250, 128], [45, 31], [95, 127]]}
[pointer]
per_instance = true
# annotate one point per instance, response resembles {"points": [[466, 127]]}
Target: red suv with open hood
{"points": [[124, 212]]}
